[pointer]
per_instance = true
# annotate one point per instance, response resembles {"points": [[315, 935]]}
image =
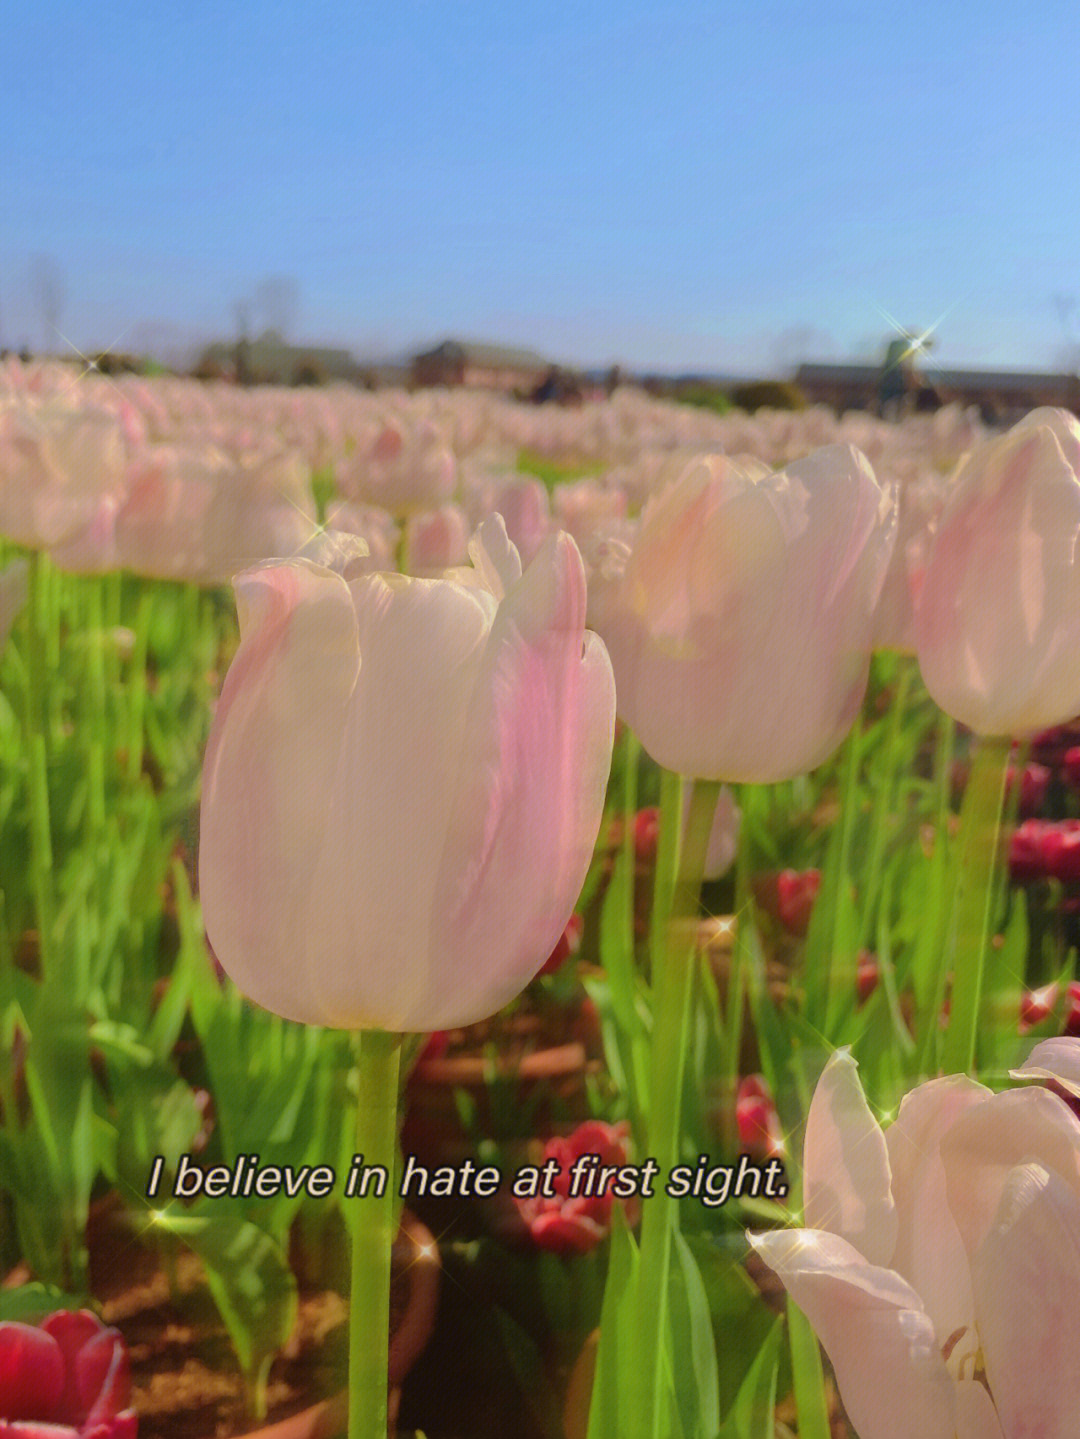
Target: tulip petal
{"points": [[891, 1375], [929, 1251], [370, 949], [989, 1140], [976, 1417], [846, 1180], [270, 766], [31, 1372], [1027, 1278], [1057, 1060], [531, 776]]}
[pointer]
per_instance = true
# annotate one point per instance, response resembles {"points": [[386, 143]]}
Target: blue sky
{"points": [[700, 186]]}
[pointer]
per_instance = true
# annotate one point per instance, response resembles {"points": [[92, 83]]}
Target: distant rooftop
{"points": [[495, 357]]}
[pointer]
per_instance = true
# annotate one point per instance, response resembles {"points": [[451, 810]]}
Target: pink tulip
{"points": [[941, 1259], [997, 622], [435, 540], [66, 1379], [403, 786], [741, 621], [60, 458]]}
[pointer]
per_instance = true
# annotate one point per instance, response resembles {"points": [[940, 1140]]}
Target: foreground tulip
{"points": [[403, 786], [997, 622], [66, 1379], [741, 622], [941, 1261]]}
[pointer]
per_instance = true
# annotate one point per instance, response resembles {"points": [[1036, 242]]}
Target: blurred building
{"points": [[482, 367], [269, 360]]}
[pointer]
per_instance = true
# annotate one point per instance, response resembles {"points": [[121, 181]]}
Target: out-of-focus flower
{"points": [[403, 786], [1045, 849], [406, 466], [435, 540], [1037, 1005], [723, 837], [574, 1225], [740, 623], [789, 897], [192, 513], [1071, 1022], [941, 1257], [60, 459], [997, 621], [646, 833], [867, 975], [569, 943], [66, 1377], [757, 1120]]}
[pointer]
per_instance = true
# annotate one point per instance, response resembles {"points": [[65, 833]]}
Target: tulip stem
{"points": [[37, 741], [371, 1225], [673, 960], [980, 829]]}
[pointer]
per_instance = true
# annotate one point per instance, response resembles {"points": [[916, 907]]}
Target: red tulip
{"points": [[1045, 849], [757, 1121], [867, 974], [569, 943], [569, 1225], [67, 1377], [1037, 1005]]}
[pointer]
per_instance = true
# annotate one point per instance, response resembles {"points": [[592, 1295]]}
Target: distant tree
{"points": [[48, 293], [277, 303]]}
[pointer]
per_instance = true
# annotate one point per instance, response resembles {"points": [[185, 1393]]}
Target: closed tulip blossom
{"points": [[740, 622], [940, 1261], [403, 785], [997, 621], [65, 1379]]}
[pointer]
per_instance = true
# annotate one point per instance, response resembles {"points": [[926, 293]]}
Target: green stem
{"points": [[138, 685], [980, 829], [371, 1224], [673, 962], [37, 740], [97, 726]]}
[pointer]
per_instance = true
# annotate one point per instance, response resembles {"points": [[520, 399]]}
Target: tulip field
{"points": [[535, 921]]}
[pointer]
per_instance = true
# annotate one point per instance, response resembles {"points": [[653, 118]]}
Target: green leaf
{"points": [[30, 1303], [692, 1374], [808, 1377], [249, 1278], [753, 1415], [528, 1365], [617, 1323]]}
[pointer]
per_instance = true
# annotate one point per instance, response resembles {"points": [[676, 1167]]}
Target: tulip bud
{"points": [[740, 622], [997, 621]]}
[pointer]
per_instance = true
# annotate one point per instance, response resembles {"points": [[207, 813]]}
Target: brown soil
{"points": [[186, 1381]]}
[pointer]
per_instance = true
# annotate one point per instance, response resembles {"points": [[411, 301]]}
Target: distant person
{"points": [[897, 379]]}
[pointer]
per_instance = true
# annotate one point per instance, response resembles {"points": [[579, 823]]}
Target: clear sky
{"points": [[700, 185]]}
